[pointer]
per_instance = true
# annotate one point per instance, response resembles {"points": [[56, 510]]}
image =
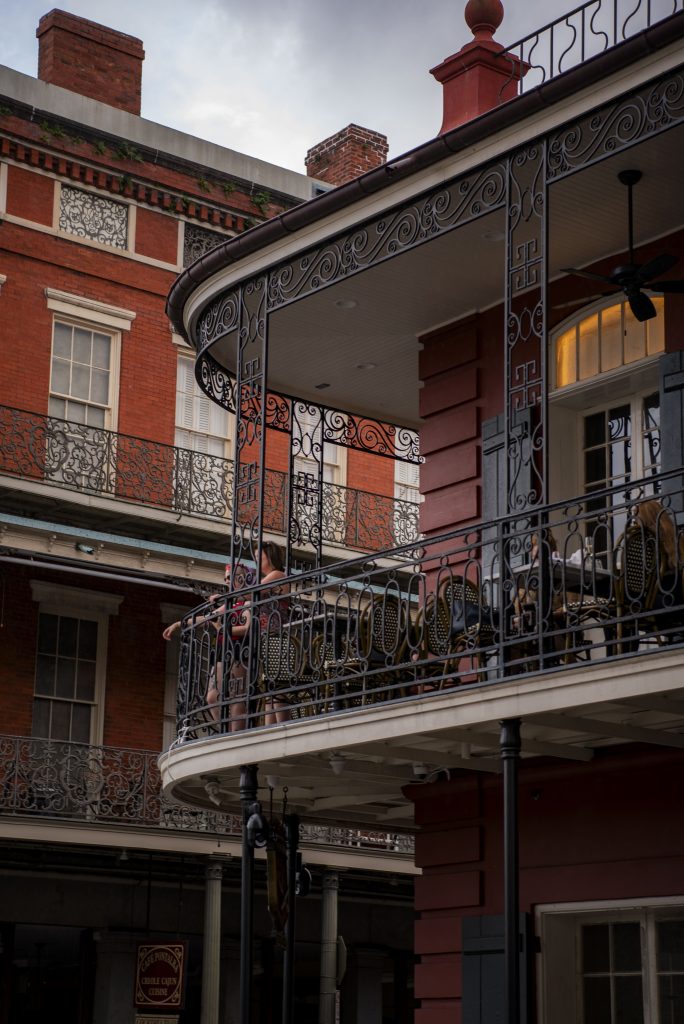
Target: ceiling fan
{"points": [[631, 278]]}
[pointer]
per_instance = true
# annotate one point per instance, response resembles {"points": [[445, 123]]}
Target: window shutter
{"points": [[483, 971], [672, 424]]}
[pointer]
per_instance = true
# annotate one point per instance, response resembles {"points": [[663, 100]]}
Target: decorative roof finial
{"points": [[483, 17]]}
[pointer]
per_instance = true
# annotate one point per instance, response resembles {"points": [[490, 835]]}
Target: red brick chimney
{"points": [[478, 78], [346, 155], [90, 59]]}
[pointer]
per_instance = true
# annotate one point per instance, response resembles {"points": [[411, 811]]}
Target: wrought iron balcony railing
{"points": [[596, 578], [117, 787], [103, 462], [583, 33]]}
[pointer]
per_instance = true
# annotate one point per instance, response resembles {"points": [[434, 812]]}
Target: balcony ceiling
{"points": [[314, 341], [383, 749]]}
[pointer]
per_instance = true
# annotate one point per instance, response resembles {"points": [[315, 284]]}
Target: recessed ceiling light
{"points": [[366, 366], [322, 386], [346, 303]]}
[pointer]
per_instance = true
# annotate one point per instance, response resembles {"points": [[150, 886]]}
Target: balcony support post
{"points": [[292, 836], [211, 955], [248, 795], [510, 756], [328, 983]]}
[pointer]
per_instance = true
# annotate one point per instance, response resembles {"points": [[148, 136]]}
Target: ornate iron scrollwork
{"points": [[526, 329], [197, 241], [441, 210], [87, 215], [651, 109]]}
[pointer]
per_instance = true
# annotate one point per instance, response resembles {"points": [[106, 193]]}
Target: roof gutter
{"points": [[426, 155]]}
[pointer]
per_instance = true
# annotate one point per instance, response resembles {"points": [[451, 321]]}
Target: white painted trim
{"points": [[54, 597], [181, 343], [131, 223], [100, 313], [110, 249], [606, 906], [569, 109], [177, 841], [3, 187], [56, 208], [598, 683], [548, 916]]}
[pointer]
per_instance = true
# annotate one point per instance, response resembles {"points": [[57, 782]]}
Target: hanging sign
{"points": [[160, 976]]}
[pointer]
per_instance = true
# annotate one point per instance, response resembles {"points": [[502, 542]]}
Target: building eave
{"points": [[416, 161]]}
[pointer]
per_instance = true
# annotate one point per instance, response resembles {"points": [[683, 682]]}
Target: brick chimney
{"points": [[346, 155], [90, 59], [478, 78]]}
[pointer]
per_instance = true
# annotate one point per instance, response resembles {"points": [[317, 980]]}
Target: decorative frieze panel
{"points": [[652, 109], [465, 199], [87, 215], [526, 329], [198, 241]]}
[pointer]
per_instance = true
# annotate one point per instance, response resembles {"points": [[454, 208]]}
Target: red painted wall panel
{"points": [[607, 829], [30, 195]]}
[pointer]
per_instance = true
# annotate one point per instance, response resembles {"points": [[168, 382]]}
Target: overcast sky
{"points": [[271, 78]]}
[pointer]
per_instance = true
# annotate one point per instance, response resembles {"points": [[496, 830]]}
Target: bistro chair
{"points": [[586, 609], [284, 672], [636, 586], [472, 627], [383, 640]]}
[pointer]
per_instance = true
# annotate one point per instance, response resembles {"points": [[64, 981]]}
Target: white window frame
{"points": [[559, 997], [94, 606], [77, 310], [228, 440], [338, 466], [570, 404], [585, 313], [404, 491]]}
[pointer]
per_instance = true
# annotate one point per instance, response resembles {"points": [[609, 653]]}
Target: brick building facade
{"points": [[115, 510]]}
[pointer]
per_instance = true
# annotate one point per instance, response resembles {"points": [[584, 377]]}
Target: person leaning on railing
{"points": [[238, 622], [273, 611]]}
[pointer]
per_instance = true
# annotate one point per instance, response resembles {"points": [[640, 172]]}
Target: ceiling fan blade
{"points": [[641, 306], [655, 267], [672, 287], [586, 273]]}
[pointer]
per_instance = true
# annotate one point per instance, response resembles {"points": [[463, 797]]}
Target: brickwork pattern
{"points": [[347, 154]]}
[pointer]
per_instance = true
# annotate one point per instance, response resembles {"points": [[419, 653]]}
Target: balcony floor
{"points": [[565, 714]]}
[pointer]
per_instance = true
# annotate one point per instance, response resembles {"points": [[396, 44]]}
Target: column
{"points": [[211, 957], [328, 987]]}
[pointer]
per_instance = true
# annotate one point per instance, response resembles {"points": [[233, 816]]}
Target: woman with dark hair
{"points": [[273, 613]]}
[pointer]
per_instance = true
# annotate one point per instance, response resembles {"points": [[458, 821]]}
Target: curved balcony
{"points": [[362, 664]]}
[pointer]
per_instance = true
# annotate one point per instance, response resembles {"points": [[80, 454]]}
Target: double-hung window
{"points": [[203, 482], [82, 404]]}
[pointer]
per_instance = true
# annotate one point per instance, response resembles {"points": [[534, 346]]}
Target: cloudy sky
{"points": [[273, 77]]}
